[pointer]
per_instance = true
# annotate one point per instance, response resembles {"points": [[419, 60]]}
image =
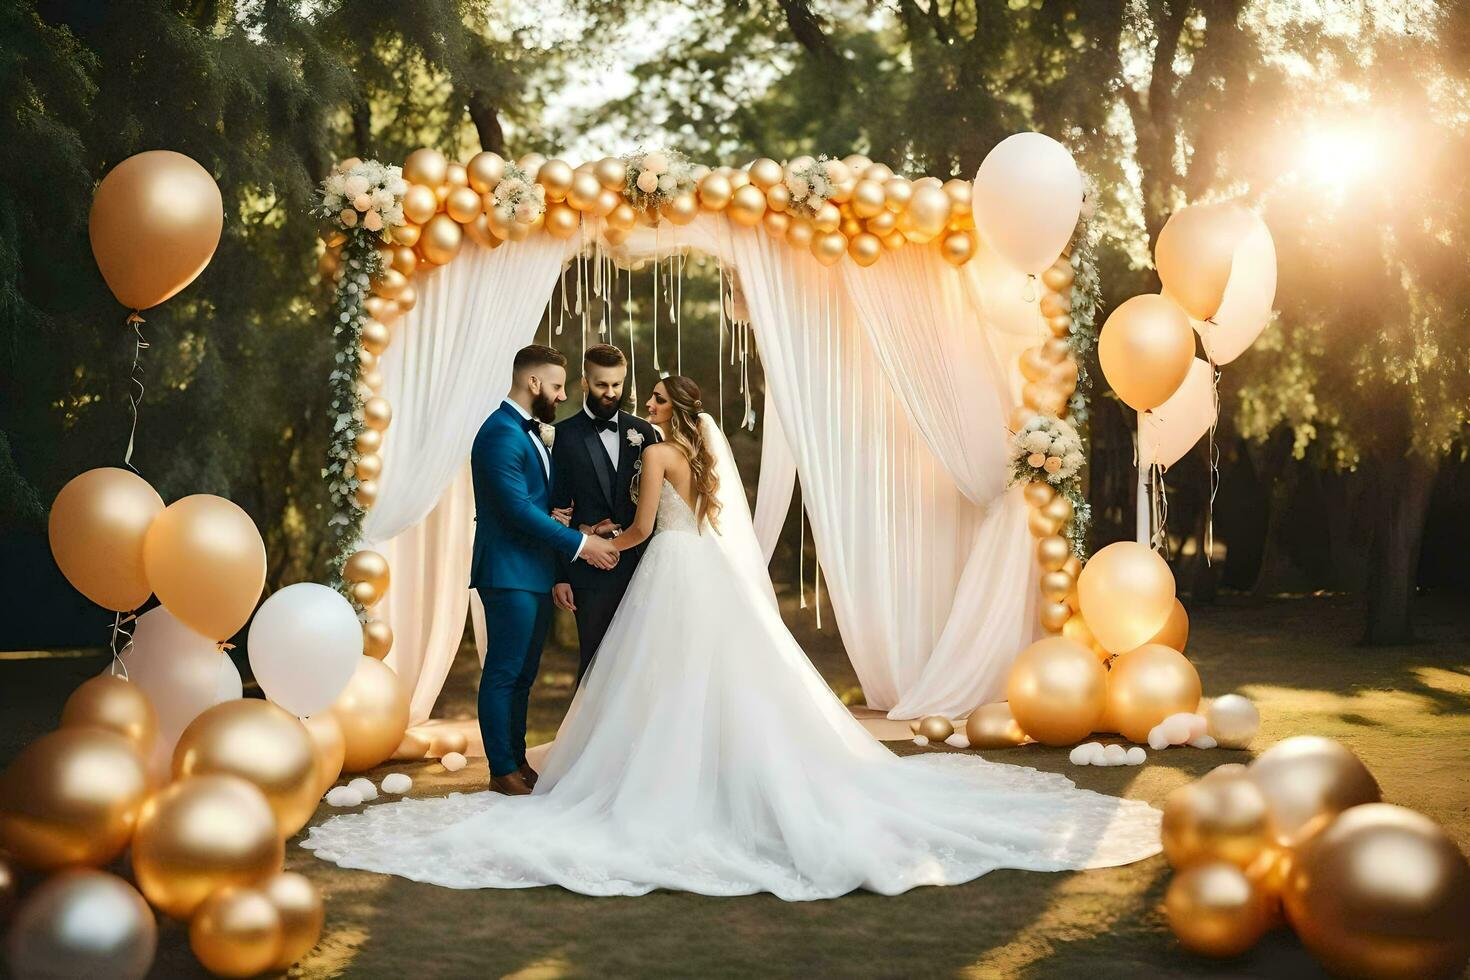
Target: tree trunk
{"points": [[1404, 487], [487, 122]]}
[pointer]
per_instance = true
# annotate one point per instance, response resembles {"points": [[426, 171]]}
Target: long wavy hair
{"points": [[685, 432]]}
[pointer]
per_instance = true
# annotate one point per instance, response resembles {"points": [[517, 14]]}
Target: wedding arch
{"points": [[902, 358]]}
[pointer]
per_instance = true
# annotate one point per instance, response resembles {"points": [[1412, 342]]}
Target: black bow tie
{"points": [[531, 425], [605, 425]]}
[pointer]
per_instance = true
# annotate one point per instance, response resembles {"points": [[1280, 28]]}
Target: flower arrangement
{"points": [[518, 197], [656, 177], [1046, 448], [364, 194], [811, 182]]}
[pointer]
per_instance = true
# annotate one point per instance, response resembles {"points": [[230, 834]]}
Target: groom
{"points": [[518, 544], [595, 467]]}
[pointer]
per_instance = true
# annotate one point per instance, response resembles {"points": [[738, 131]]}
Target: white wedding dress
{"points": [[704, 753]]}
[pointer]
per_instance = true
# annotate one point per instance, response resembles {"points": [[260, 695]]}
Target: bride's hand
{"points": [[604, 528], [562, 515]]}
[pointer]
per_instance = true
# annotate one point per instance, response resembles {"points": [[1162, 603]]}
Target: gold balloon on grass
{"points": [[1147, 685], [1233, 721], [442, 239], [97, 526], [425, 166], [261, 743], [1382, 892], [1220, 819], [206, 562], [114, 704], [1127, 594], [329, 748], [991, 726], [484, 171], [200, 834], [1056, 691], [1195, 252], [299, 903], [1215, 910], [82, 923], [71, 797], [1307, 780], [236, 932], [373, 713], [448, 741], [936, 728], [155, 222], [1145, 349]]}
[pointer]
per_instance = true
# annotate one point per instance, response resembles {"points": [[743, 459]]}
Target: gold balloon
{"points": [[425, 166], [1039, 494], [778, 198], [958, 247], [365, 593], [1127, 594], [299, 903], [1233, 721], [155, 223], [1195, 252], [97, 527], [1215, 910], [531, 163], [366, 494], [206, 562], [261, 743], [829, 247], [562, 221], [1060, 326], [882, 224], [375, 337], [1056, 304], [1055, 351], [897, 193], [1034, 365], [800, 234], [419, 204], [404, 260], [114, 704], [1076, 630], [1040, 525], [1382, 892], [556, 176], [448, 741], [484, 171], [407, 234], [411, 746], [368, 441], [857, 163], [991, 726], [329, 747], [827, 219], [608, 200], [878, 172], [377, 413], [583, 193], [738, 178], [377, 639], [1145, 350], [1220, 819], [765, 173], [1307, 780], [455, 175], [1059, 509], [1056, 691], [463, 205], [1054, 616], [367, 566], [200, 834], [623, 217], [442, 239], [370, 467], [1059, 276], [959, 196], [1056, 586], [82, 923], [1175, 631], [747, 206], [378, 308], [715, 191], [373, 713], [1147, 685], [776, 223], [71, 797], [929, 210], [612, 173], [1052, 552], [867, 198], [236, 932], [1044, 398], [480, 232], [865, 249], [936, 728]]}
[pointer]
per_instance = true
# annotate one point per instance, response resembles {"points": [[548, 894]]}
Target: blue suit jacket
{"points": [[517, 542]]}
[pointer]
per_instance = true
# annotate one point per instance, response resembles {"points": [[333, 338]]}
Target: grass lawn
{"points": [[1405, 711]]}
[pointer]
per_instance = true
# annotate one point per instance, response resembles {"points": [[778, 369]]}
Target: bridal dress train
{"points": [[705, 754]]}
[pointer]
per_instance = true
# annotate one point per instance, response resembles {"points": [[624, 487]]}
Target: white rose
{"points": [[666, 183], [355, 185], [656, 162], [1036, 442]]}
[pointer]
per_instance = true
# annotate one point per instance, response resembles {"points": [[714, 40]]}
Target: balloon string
{"points": [[1214, 460], [120, 630], [801, 560], [817, 591], [135, 398], [1159, 498]]}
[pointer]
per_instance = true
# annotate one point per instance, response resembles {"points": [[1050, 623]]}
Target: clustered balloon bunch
{"points": [[1373, 890]]}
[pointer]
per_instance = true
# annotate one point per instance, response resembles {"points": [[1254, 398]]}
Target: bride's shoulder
{"points": [[662, 452]]}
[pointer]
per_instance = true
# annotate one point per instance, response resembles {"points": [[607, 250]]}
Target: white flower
{"points": [[1036, 442], [656, 162], [666, 183], [354, 185], [548, 435], [635, 438]]}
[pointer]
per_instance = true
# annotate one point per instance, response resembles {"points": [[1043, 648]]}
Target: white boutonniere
{"points": [[635, 438], [548, 435]]}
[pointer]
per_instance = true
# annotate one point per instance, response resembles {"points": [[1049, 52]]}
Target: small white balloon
{"points": [[453, 761], [1157, 740], [921, 740], [364, 788], [1176, 729], [1096, 754], [958, 740], [1233, 721], [1203, 742], [305, 643], [1136, 756], [1115, 755], [1080, 755], [343, 796], [397, 783]]}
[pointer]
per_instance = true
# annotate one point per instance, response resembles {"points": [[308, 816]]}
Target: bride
{"points": [[704, 753]]}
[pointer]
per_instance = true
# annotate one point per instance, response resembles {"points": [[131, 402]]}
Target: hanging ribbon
{"points": [[135, 398], [119, 652]]}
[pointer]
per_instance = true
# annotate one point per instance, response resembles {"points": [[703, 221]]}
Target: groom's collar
{"points": [[616, 416], [515, 407]]}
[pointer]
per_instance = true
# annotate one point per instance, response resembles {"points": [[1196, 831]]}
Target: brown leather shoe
{"points": [[511, 784], [529, 775]]}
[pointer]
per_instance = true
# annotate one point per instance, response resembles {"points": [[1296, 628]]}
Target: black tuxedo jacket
{"points": [[583, 475]]}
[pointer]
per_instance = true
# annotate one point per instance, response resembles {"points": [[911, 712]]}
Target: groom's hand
{"points": [[561, 594], [562, 515], [604, 528], [600, 553]]}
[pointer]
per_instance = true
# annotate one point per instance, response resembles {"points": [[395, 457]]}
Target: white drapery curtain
{"points": [[776, 481]]}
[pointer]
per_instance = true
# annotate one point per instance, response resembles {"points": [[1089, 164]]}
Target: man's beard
{"points": [[603, 408], [543, 407]]}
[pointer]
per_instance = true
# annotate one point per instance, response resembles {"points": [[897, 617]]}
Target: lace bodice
{"points": [[673, 513]]}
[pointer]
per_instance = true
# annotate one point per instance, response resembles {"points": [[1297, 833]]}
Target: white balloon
{"points": [[1203, 742], [1026, 200], [1246, 307], [364, 788], [397, 783], [1097, 754], [1170, 430], [455, 761], [82, 923], [305, 643], [1136, 756], [176, 667], [1233, 720], [1115, 755], [1080, 755], [343, 796], [1012, 303], [230, 687]]}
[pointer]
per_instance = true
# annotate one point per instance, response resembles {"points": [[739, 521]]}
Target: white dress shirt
{"points": [[609, 437], [545, 460]]}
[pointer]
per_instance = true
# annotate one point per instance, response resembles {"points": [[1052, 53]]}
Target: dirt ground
{"points": [[1405, 711]]}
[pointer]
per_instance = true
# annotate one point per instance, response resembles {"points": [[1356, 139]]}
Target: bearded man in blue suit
{"points": [[518, 543]]}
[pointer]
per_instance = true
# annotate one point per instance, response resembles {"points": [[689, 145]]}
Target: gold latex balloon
{"points": [[1059, 276], [1034, 365], [867, 198], [829, 247], [463, 205], [419, 204], [738, 178], [747, 206], [155, 222], [368, 441], [370, 467], [1076, 630], [299, 903], [366, 593], [1382, 892], [411, 746], [1215, 910], [959, 196], [1145, 349], [379, 308], [1195, 252], [82, 923], [1056, 586], [715, 191], [480, 233], [800, 234], [377, 413], [114, 704], [1054, 616], [776, 224], [556, 176], [373, 713], [425, 166], [261, 743], [929, 210], [865, 249], [1060, 326], [991, 726], [1233, 721], [407, 234], [958, 247], [531, 163], [612, 173], [778, 198], [562, 221], [442, 239], [367, 566], [97, 526], [484, 171], [879, 172], [329, 747], [206, 562], [446, 742], [1127, 594], [584, 191], [1148, 685], [455, 175], [1307, 780], [389, 283], [1220, 819], [71, 797], [1059, 509], [375, 337], [236, 932], [827, 219], [1040, 525], [1044, 398], [608, 200], [366, 495], [1056, 304], [623, 217], [936, 728], [857, 163], [1056, 691], [1175, 631], [765, 173], [1039, 494], [1052, 552], [404, 260], [377, 639], [201, 834]]}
